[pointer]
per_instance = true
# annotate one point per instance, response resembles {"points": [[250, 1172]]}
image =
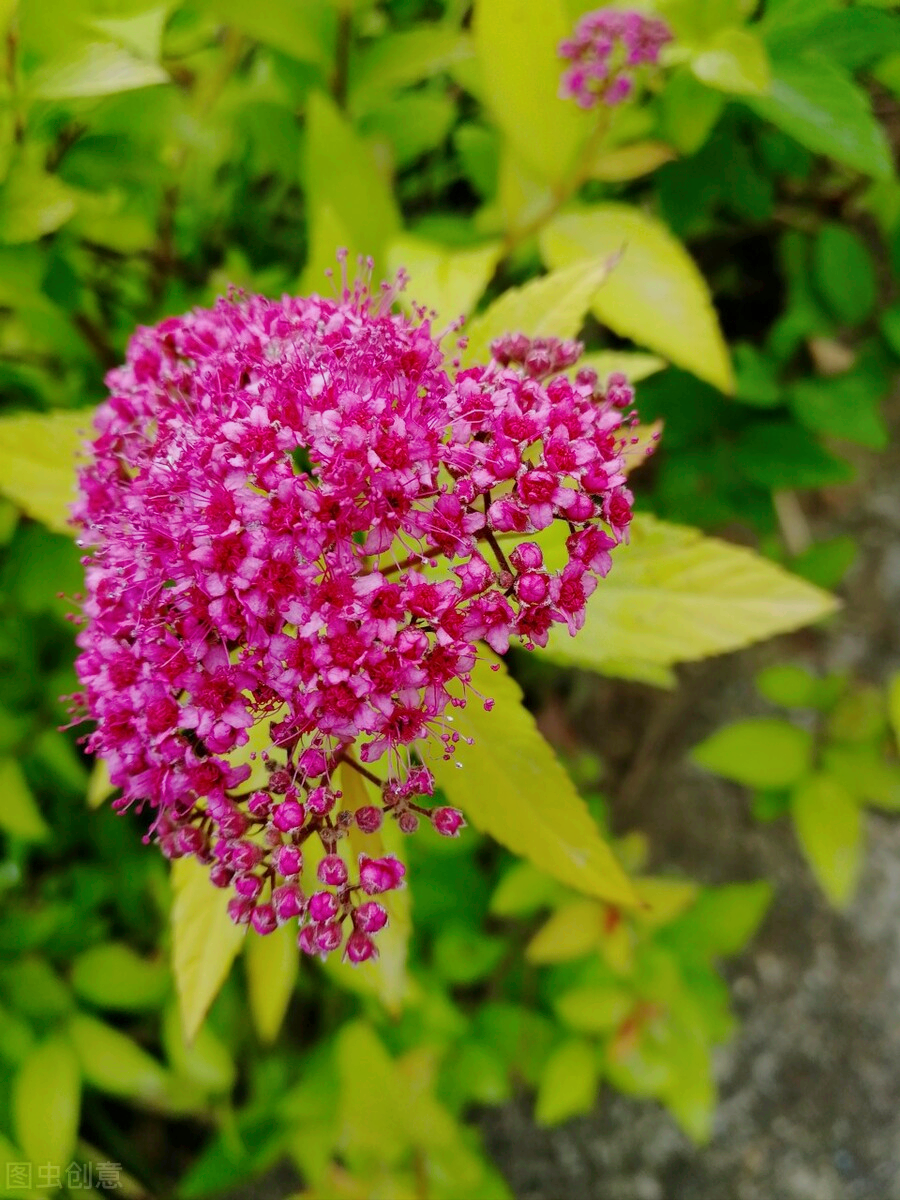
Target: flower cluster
{"points": [[300, 523], [604, 51]]}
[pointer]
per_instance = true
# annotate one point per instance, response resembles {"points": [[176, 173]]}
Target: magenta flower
{"points": [[294, 516], [606, 47]]}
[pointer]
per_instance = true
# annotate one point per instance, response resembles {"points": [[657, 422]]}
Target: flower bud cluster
{"points": [[300, 523], [605, 50]]}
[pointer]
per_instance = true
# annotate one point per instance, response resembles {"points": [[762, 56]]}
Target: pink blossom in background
{"points": [[606, 47], [294, 517]]}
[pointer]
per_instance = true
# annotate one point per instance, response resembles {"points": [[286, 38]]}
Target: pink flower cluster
{"points": [[300, 523], [606, 47]]}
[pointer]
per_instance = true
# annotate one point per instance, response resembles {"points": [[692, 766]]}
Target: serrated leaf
{"points": [[655, 295], [447, 280], [818, 103], [593, 1007], [19, 813], [205, 941], [516, 45], [568, 1084], [554, 305], [94, 69], [38, 455], [829, 827], [572, 932], [341, 174], [674, 595], [271, 964], [510, 785], [733, 60], [46, 1102], [760, 752]]}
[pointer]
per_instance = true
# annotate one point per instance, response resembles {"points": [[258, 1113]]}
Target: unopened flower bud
{"points": [[447, 821], [263, 919], [332, 870]]}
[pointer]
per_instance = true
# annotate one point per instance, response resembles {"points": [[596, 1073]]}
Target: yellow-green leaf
{"points": [[630, 162], [33, 203], [446, 280], [568, 1083], [762, 752], [38, 454], [115, 1063], [100, 786], [19, 813], [112, 975], [46, 1102], [94, 69], [655, 295], [510, 784], [829, 828], [572, 932], [271, 964], [341, 174], [206, 1063], [663, 899], [205, 941], [554, 305], [516, 46], [370, 1097], [674, 595], [594, 1007], [893, 705], [635, 365], [734, 60]]}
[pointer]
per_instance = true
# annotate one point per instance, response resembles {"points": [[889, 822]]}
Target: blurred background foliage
{"points": [[153, 154]]}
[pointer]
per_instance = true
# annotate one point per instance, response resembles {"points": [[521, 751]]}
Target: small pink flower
{"points": [[606, 47]]}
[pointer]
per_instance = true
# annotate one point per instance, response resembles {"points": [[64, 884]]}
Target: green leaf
{"points": [[46, 1103], [568, 1084], [463, 956], [844, 273], [674, 595], [893, 705], [655, 295], [826, 563], [19, 813], [302, 31], [780, 454], [788, 684], [734, 60], [721, 922], [572, 932], [141, 33], [37, 463], [516, 46], [510, 785], [689, 110], [758, 752], [206, 1062], [865, 774], [445, 279], [390, 63], [205, 941], [370, 1098], [829, 828], [117, 1065], [818, 103], [757, 382], [553, 305], [663, 899], [844, 406], [630, 162], [112, 975], [94, 69], [341, 175], [271, 964], [523, 890], [859, 716], [594, 1008], [33, 203]]}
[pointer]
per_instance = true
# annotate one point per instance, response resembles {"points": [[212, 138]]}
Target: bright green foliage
{"points": [[37, 463], [205, 941], [733, 60], [656, 295], [271, 964], [823, 779], [511, 785], [112, 976], [46, 1101], [569, 1083], [845, 273], [758, 752], [674, 596], [19, 814], [829, 828]]}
